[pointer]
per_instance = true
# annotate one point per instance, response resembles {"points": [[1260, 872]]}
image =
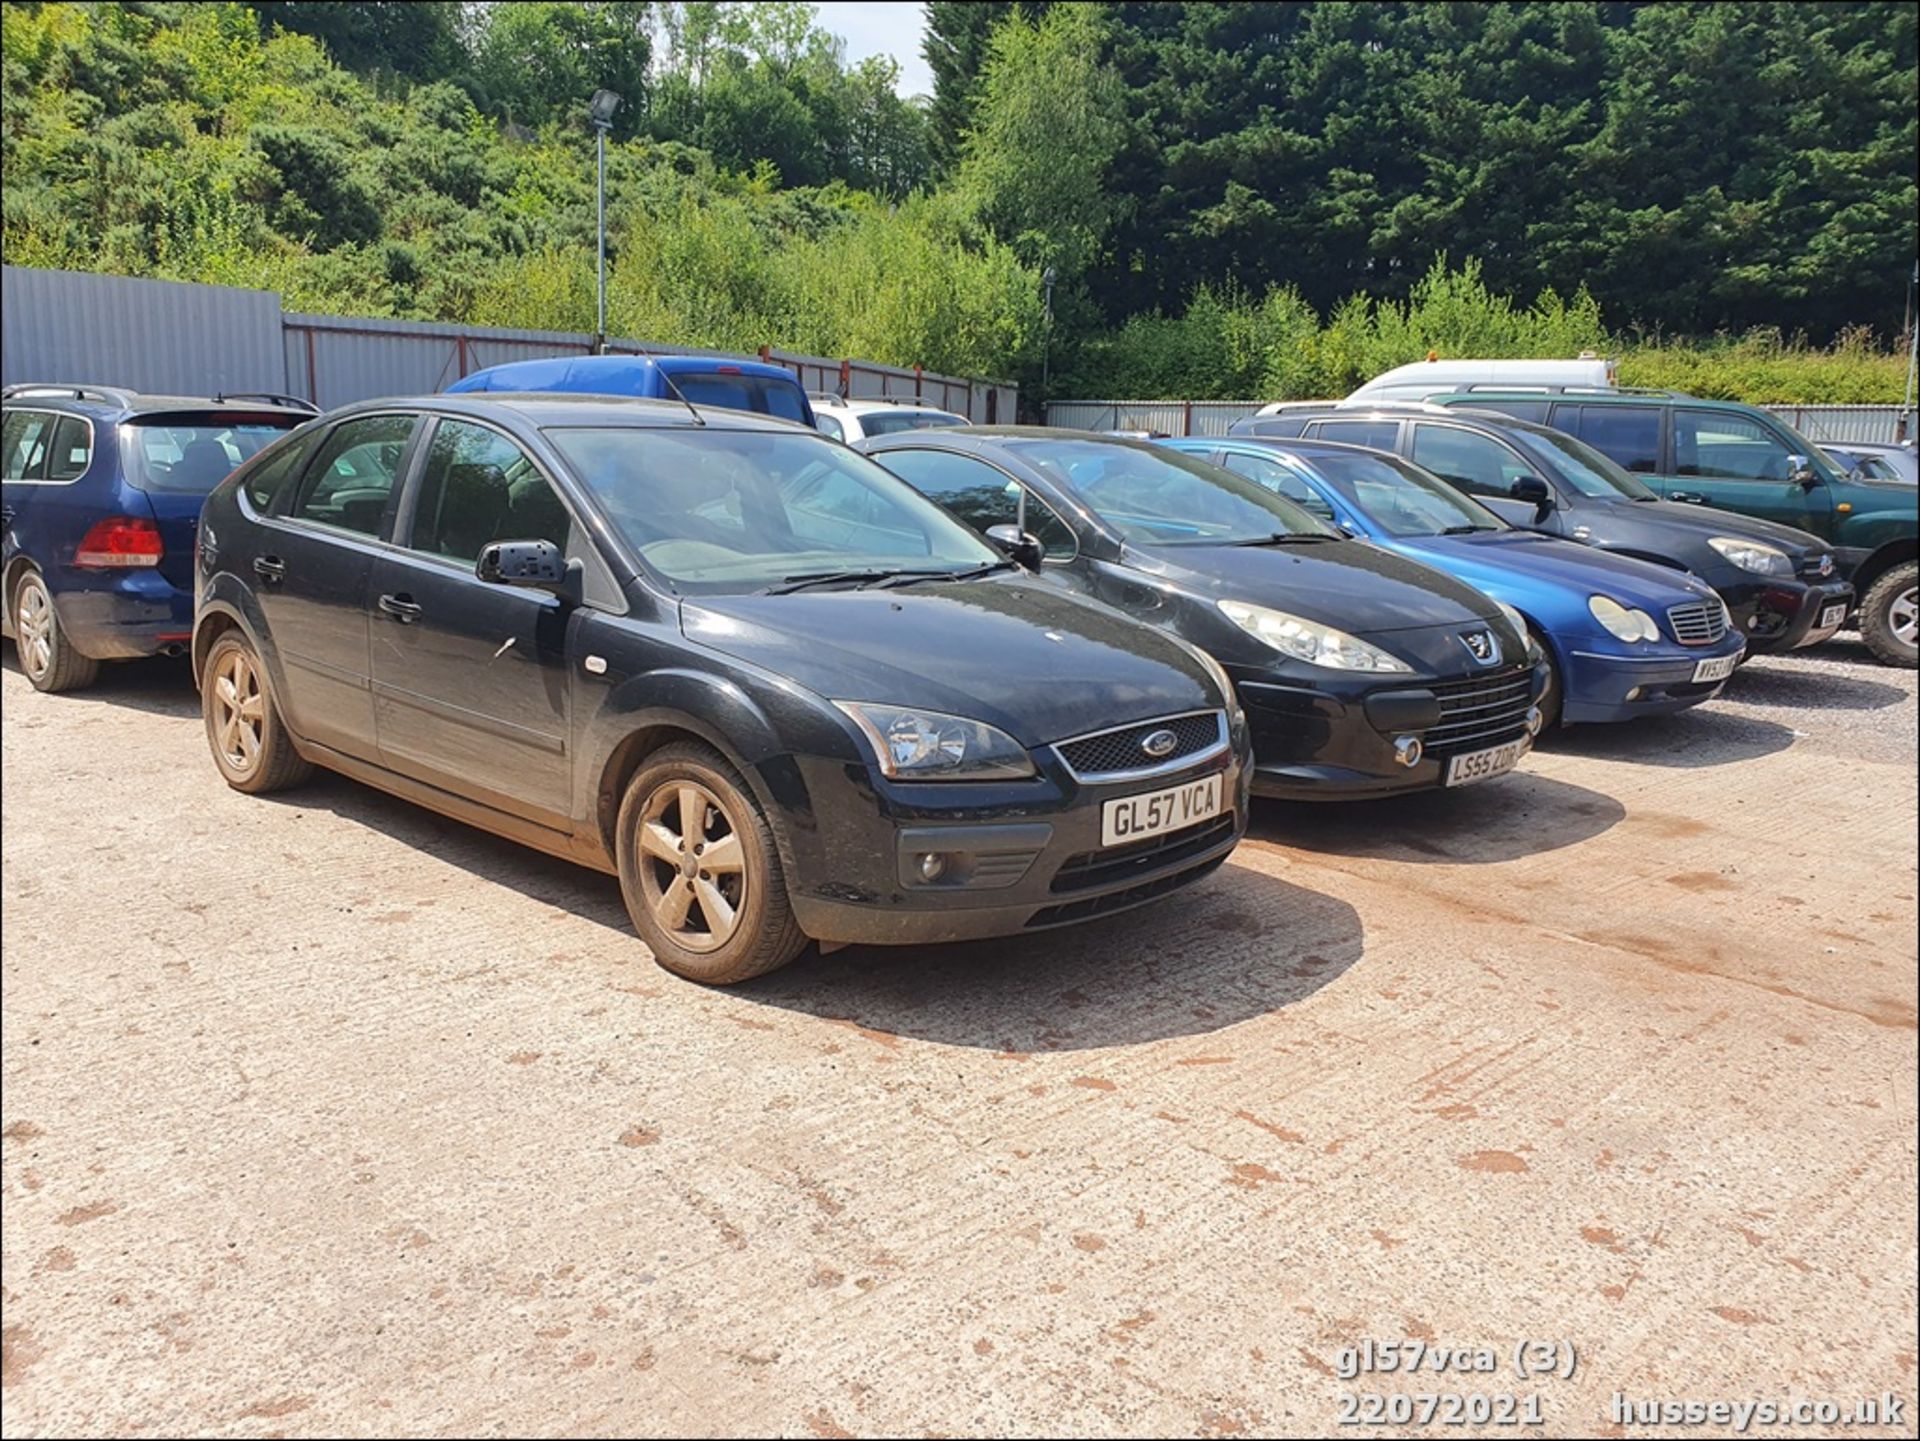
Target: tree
{"points": [[419, 40], [1048, 124], [536, 61]]}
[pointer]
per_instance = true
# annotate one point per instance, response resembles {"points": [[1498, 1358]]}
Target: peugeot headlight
{"points": [[1310, 641], [925, 745], [1753, 555], [1514, 619], [1622, 622]]}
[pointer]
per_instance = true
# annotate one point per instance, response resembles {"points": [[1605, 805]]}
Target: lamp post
{"points": [[1047, 277], [600, 115]]}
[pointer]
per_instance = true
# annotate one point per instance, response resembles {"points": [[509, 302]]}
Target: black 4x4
{"points": [[606, 628]]}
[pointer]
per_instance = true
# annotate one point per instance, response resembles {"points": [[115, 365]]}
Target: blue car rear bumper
{"points": [[1598, 688], [125, 615]]}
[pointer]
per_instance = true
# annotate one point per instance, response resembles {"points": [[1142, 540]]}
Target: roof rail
{"points": [[68, 389], [292, 402]]}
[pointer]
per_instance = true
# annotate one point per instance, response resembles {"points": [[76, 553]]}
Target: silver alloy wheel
{"points": [[1903, 615], [239, 712], [693, 869], [33, 623]]}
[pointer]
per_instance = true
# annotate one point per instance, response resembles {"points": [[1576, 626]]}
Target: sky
{"points": [[882, 27]]}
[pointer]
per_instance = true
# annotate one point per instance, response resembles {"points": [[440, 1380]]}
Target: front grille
{"points": [[1119, 900], [1817, 566], [1700, 622], [1482, 712], [1139, 858], [1118, 752]]}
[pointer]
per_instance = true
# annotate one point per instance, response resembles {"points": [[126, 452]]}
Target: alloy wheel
{"points": [[239, 712], [33, 623], [693, 868], [1903, 615]]}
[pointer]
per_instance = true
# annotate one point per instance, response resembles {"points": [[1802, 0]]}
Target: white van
{"points": [[1446, 377]]}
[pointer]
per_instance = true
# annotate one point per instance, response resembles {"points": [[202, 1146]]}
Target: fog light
{"points": [[1634, 694], [1534, 720], [1408, 750], [932, 865]]}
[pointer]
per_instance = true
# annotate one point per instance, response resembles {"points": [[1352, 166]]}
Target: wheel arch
{"points": [[1882, 560]]}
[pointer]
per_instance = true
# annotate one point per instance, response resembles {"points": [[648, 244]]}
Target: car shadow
{"points": [[1237, 945], [160, 685], [1831, 683], [1693, 739], [1517, 815], [591, 895]]}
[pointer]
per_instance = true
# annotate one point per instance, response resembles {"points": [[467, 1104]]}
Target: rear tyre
{"points": [[46, 655], [700, 871], [1890, 615], [249, 741]]}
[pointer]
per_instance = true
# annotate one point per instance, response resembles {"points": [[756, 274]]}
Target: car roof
{"points": [[867, 404], [1616, 396], [1414, 410], [612, 369], [562, 408], [106, 402]]}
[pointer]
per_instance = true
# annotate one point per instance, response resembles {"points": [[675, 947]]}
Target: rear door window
{"points": [[1477, 464], [26, 441], [1379, 434], [1629, 434], [352, 478]]}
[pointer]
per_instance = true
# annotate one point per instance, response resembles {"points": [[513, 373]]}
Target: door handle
{"points": [[401, 607], [1689, 496], [270, 568]]}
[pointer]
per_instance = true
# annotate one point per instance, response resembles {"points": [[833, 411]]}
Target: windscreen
{"points": [[756, 394], [729, 511], [191, 454], [1160, 497], [1402, 499]]}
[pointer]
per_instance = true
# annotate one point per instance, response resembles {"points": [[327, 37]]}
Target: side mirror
{"points": [[1533, 491], [1017, 545], [1800, 471], [537, 564]]}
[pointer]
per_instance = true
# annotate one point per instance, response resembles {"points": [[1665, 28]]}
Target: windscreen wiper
{"points": [[1289, 537], [1467, 529], [973, 572], [847, 577]]}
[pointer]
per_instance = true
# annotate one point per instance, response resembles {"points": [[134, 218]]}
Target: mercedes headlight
{"points": [[924, 745], [1753, 555], [1622, 622], [1310, 641]]}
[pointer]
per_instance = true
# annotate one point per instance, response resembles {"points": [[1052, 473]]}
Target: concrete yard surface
{"points": [[324, 1115]]}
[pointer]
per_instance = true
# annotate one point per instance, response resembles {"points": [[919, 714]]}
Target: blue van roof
{"points": [[609, 374]]}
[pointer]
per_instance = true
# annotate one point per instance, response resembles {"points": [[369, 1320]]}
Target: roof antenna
{"points": [[698, 418]]}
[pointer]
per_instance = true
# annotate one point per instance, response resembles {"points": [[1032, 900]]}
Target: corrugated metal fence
{"points": [[1213, 417], [164, 336]]}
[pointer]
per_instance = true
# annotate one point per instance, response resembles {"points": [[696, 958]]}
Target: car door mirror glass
{"points": [[536, 563]]}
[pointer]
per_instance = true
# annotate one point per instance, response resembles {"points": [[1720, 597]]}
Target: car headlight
{"points": [[925, 745], [1310, 641], [1622, 622], [1753, 555], [1514, 619]]}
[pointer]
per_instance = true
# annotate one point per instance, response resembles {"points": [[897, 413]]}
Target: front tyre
{"points": [[1890, 615], [46, 655], [249, 740], [1549, 702], [700, 871]]}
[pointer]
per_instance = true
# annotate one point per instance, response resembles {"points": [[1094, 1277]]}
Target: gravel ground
{"points": [[326, 1116]]}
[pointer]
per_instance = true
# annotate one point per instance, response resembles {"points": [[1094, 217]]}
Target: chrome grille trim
{"points": [[1698, 622], [1157, 768]]}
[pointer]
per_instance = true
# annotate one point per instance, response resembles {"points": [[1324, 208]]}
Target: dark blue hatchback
{"points": [[100, 496]]}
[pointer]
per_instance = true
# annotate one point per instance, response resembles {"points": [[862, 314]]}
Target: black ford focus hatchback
{"points": [[1363, 673], [743, 668]]}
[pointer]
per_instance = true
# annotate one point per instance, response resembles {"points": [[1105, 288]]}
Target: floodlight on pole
{"points": [[600, 115]]}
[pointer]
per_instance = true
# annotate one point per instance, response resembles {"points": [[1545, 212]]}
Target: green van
{"points": [[1741, 458]]}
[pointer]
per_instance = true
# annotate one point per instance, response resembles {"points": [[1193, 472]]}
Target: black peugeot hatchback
{"points": [[742, 667], [1363, 673], [1780, 585]]}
